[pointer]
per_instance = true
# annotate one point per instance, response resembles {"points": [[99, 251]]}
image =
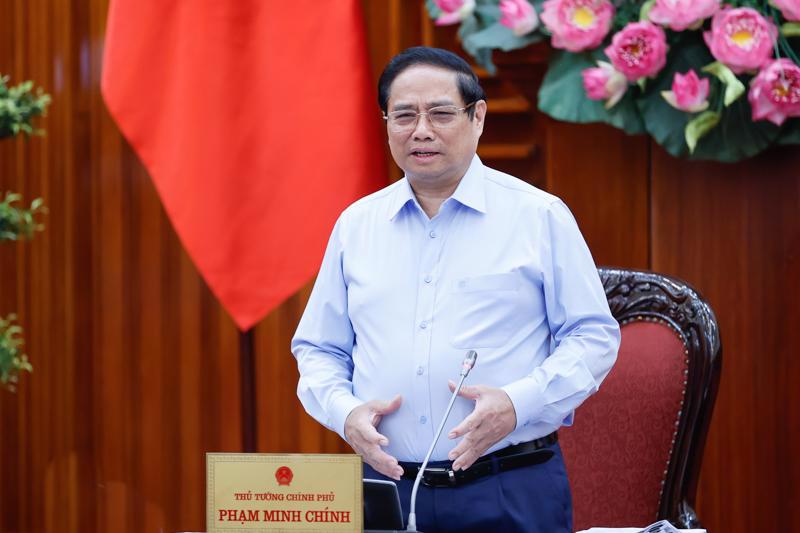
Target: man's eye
{"points": [[443, 114], [404, 117]]}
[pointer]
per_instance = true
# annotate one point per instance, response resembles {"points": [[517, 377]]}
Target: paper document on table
{"points": [[632, 530], [662, 526]]}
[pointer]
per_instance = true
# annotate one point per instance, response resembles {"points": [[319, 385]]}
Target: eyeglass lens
{"points": [[439, 117]]}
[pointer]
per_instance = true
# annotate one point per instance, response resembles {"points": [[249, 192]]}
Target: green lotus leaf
{"points": [[562, 96], [790, 132], [791, 29], [734, 88], [699, 127], [501, 37], [644, 12]]}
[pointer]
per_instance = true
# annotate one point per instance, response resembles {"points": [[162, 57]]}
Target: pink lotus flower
{"points": [[680, 14], [577, 24], [789, 8], [604, 83], [741, 38], [775, 92], [638, 50], [689, 93], [454, 11], [519, 15]]}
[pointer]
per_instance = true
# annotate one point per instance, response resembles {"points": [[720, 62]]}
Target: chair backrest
{"points": [[634, 452]]}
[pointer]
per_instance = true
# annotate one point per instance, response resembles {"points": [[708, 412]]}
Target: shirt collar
{"points": [[470, 191], [402, 195]]}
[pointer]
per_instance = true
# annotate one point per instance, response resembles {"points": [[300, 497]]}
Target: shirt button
{"points": [[423, 325], [420, 370], [428, 278], [422, 419], [432, 234]]}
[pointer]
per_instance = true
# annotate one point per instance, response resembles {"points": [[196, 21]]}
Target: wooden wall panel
{"points": [[136, 365], [733, 231], [602, 175], [283, 425]]}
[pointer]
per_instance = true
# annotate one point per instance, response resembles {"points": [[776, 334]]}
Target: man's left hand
{"points": [[493, 418]]}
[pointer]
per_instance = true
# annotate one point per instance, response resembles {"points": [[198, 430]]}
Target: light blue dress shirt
{"points": [[400, 299]]}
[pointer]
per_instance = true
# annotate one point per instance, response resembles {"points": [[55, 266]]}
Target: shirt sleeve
{"points": [[323, 345], [584, 335]]}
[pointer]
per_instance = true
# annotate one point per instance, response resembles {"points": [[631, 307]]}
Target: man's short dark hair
{"points": [[467, 82]]}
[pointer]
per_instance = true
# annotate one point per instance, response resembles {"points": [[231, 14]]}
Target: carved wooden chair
{"points": [[633, 454]]}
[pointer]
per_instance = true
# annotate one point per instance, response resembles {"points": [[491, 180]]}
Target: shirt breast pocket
{"points": [[487, 310]]}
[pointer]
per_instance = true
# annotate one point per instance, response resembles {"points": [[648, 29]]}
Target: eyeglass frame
{"points": [[386, 116]]}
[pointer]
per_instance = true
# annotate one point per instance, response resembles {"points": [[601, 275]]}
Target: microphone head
{"points": [[469, 362]]}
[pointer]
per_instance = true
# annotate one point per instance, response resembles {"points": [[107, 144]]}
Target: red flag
{"points": [[256, 121]]}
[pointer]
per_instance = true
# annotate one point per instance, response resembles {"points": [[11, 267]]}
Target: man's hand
{"points": [[360, 431], [493, 418]]}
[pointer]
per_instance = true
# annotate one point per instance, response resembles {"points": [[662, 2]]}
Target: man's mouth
{"points": [[420, 153]]}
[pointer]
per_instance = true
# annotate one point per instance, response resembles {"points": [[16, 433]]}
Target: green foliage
{"points": [[18, 222], [699, 127], [12, 360], [433, 9], [15, 222], [733, 87], [627, 12], [791, 29], [481, 32], [499, 37], [561, 95], [19, 105], [790, 134], [644, 11], [755, 4]]}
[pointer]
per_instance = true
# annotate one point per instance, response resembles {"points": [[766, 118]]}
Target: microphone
{"points": [[466, 366], [469, 362]]}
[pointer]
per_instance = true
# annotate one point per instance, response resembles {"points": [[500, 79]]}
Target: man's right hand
{"points": [[360, 431]]}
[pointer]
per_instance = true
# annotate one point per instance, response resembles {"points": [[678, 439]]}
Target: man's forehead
{"points": [[401, 104], [426, 85]]}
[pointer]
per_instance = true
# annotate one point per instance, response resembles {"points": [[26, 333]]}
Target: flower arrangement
{"points": [[707, 79]]}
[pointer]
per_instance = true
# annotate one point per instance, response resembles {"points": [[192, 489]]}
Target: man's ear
{"points": [[480, 115]]}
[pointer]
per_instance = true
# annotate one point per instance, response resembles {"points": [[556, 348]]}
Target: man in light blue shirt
{"points": [[454, 257]]}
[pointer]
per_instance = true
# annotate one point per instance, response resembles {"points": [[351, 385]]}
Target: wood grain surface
{"points": [[137, 366], [135, 362], [733, 231]]}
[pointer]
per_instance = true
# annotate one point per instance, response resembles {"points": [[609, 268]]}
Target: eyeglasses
{"points": [[444, 116]]}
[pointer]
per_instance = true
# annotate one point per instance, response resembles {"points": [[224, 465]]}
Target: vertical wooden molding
{"points": [[427, 26], [248, 377], [395, 24]]}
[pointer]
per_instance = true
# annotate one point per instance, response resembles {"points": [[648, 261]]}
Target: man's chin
{"points": [[427, 174], [431, 168]]}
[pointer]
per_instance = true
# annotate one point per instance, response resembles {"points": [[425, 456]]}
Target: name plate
{"points": [[290, 492]]}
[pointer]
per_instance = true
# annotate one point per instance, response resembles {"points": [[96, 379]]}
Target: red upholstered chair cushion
{"points": [[618, 449]]}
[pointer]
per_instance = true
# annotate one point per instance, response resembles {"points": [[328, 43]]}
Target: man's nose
{"points": [[423, 129]]}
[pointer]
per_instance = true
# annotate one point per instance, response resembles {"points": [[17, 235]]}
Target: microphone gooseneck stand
{"points": [[466, 366]]}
